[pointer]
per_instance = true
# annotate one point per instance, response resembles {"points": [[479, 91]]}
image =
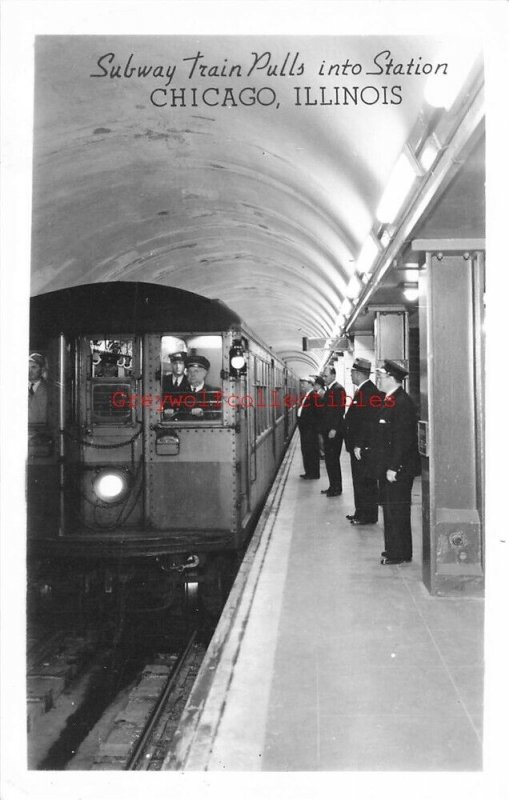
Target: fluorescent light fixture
{"points": [[346, 306], [354, 287], [368, 254], [400, 182], [442, 90], [337, 326], [430, 152], [411, 291]]}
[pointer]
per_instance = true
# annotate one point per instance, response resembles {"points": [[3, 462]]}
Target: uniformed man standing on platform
{"points": [[308, 421], [397, 461], [360, 427], [331, 426]]}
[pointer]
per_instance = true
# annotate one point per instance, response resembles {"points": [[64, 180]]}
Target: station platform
{"points": [[326, 660]]}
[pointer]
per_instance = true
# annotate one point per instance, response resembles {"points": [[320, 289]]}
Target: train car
{"points": [[122, 465]]}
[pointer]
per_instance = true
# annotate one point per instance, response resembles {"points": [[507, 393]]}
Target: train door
{"points": [[103, 445], [190, 436]]}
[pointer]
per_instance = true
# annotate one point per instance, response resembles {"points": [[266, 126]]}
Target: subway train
{"points": [[125, 469]]}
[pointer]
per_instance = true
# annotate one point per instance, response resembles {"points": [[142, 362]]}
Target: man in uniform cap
{"points": [[360, 426], [174, 386], [307, 421], [331, 427], [207, 403], [37, 390], [397, 461], [175, 381]]}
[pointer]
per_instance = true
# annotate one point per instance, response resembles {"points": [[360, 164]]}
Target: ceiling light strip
{"points": [[447, 166]]}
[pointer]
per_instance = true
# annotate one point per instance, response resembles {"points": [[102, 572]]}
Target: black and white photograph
{"points": [[253, 491]]}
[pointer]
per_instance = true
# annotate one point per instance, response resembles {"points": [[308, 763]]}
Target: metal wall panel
{"points": [[450, 332]]}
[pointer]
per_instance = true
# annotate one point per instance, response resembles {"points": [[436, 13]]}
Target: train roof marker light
{"points": [[398, 188]]}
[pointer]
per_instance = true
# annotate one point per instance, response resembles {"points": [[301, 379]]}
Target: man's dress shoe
{"points": [[356, 521], [351, 517], [393, 561]]}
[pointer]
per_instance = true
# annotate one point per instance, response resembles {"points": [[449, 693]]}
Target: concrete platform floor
{"points": [[341, 663]]}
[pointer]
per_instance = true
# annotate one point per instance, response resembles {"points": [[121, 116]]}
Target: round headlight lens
{"points": [[238, 362], [110, 486]]}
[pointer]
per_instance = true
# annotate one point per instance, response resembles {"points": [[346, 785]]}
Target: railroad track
{"points": [[142, 731]]}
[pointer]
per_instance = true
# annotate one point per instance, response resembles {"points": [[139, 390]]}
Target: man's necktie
{"points": [[31, 390]]}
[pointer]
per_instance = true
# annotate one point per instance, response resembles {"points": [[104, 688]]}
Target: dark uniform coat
{"points": [[207, 399], [171, 387], [332, 418], [361, 420], [38, 404], [396, 449], [308, 419], [173, 396]]}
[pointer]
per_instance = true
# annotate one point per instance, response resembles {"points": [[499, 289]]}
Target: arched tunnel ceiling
{"points": [[264, 207]]}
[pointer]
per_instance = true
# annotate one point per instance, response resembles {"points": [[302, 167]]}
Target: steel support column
{"points": [[451, 430]]}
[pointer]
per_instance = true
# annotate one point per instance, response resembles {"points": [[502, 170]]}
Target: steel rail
{"points": [[135, 761]]}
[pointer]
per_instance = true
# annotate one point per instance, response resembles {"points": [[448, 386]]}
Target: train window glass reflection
{"points": [[191, 378], [111, 370]]}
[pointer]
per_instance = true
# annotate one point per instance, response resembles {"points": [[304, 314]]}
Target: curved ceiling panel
{"points": [[265, 206]]}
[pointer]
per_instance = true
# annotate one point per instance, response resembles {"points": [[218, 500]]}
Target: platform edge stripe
{"points": [[195, 735]]}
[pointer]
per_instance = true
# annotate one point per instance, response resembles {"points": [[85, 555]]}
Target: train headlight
{"points": [[238, 364], [110, 485]]}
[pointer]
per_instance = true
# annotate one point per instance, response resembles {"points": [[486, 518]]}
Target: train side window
{"points": [[191, 378], [262, 404], [278, 393], [111, 368]]}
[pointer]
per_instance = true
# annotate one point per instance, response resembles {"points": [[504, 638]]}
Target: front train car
{"points": [[156, 427]]}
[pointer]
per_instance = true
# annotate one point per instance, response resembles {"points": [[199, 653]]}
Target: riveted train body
{"points": [[123, 467]]}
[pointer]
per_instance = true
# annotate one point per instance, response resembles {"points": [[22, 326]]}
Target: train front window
{"points": [[111, 370], [191, 378]]}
